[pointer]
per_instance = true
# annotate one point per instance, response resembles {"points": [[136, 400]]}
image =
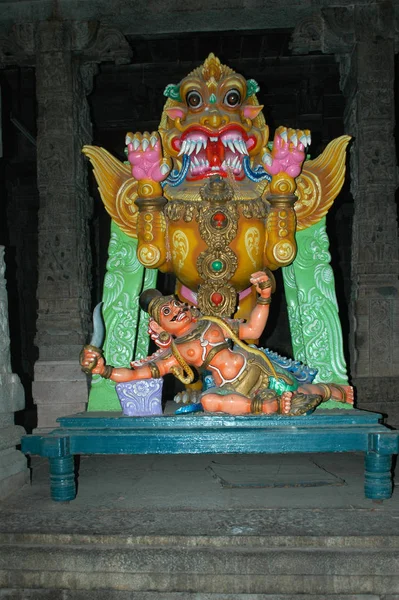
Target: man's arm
{"points": [[253, 328], [149, 370]]}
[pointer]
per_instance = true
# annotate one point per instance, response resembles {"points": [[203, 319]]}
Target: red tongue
{"points": [[215, 153]]}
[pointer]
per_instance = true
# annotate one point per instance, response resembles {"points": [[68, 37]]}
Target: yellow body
{"points": [[173, 224]]}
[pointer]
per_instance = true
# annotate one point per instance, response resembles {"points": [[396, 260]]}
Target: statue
{"points": [[209, 198], [246, 379]]}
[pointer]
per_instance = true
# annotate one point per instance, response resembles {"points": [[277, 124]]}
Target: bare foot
{"points": [[341, 393], [286, 403]]}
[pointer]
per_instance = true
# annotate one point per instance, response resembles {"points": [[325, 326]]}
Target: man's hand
{"points": [[263, 283], [91, 361]]}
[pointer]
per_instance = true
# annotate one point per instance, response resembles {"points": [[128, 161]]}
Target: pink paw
{"points": [[145, 156], [288, 153]]}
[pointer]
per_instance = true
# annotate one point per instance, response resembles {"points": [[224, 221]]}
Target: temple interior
{"points": [[301, 91], [159, 513]]}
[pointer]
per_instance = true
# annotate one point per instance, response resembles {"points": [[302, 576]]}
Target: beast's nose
{"points": [[214, 119]]}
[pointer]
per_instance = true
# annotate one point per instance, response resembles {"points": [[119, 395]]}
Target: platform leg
{"points": [[378, 476], [62, 479]]}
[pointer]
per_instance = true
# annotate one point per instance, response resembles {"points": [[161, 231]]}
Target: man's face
{"points": [[175, 317]]}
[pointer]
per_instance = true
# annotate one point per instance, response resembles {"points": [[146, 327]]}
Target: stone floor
{"points": [[207, 495], [202, 527]]}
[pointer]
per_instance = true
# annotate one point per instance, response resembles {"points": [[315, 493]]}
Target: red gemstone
{"points": [[219, 219], [217, 298]]}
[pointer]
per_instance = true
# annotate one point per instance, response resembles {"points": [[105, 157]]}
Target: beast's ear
{"points": [[251, 112], [175, 113]]}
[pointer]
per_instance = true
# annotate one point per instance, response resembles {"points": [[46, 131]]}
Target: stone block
{"points": [[60, 392], [11, 462], [58, 352], [47, 414], [11, 484], [62, 370], [9, 437], [6, 419], [12, 397], [60, 388]]}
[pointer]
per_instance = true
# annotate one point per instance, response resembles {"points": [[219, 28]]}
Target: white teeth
{"points": [[237, 144], [309, 140], [224, 165], [198, 146], [284, 135], [244, 149], [205, 142], [136, 144], [128, 139], [144, 144], [153, 141], [294, 139], [224, 142], [236, 162], [196, 161], [183, 148], [213, 139], [215, 168], [231, 145], [191, 149]]}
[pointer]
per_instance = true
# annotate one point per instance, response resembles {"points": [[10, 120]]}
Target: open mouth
{"points": [[214, 153]]}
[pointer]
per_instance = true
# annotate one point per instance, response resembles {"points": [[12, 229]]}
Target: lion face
{"points": [[214, 118]]}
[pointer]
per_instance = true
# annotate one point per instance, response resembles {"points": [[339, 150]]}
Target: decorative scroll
{"points": [[181, 247], [123, 284], [312, 307], [252, 244]]}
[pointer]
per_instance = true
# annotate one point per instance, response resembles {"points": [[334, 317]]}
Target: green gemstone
{"points": [[217, 265]]}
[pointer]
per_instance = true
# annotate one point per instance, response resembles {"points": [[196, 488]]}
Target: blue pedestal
{"points": [[198, 433]]}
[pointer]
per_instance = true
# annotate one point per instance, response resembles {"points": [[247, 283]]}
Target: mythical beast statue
{"points": [[209, 198]]}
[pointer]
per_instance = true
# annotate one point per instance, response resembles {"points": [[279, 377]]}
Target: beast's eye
{"points": [[232, 98], [194, 99], [166, 311]]}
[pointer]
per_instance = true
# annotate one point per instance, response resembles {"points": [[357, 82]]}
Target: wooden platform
{"points": [[113, 433]]}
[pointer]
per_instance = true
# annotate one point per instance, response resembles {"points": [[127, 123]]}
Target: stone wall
{"points": [[13, 468]]}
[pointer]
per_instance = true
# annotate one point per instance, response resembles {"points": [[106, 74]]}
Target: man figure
{"points": [[246, 380]]}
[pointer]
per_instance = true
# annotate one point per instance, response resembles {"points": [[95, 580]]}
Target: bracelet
{"points": [[261, 300], [107, 372], [265, 284], [154, 370]]}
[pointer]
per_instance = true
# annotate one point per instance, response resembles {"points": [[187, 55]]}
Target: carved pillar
{"points": [[367, 78], [63, 293], [65, 53], [13, 468], [362, 38]]}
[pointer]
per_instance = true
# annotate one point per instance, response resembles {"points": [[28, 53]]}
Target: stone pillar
{"points": [[66, 55], [367, 78], [362, 37], [64, 282], [13, 468]]}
